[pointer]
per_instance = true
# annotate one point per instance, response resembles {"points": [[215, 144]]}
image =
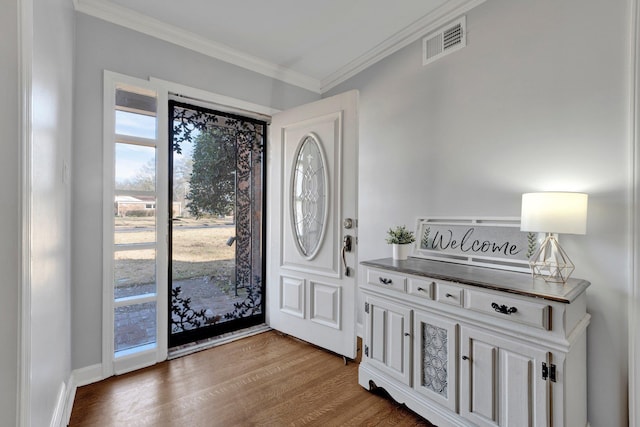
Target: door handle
{"points": [[346, 247], [346, 243]]}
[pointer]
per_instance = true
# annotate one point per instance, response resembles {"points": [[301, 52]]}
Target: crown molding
{"points": [[428, 23], [136, 21]]}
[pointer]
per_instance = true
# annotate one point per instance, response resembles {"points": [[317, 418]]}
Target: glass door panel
{"points": [[135, 261], [135, 327], [135, 273], [216, 223]]}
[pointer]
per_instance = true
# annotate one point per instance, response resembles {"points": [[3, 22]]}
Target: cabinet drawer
{"points": [[449, 294], [526, 312], [386, 280], [421, 288]]}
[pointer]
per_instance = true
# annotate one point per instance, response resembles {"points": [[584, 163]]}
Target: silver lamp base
{"points": [[551, 262]]}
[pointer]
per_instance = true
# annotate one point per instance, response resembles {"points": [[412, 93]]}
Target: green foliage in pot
{"points": [[400, 235]]}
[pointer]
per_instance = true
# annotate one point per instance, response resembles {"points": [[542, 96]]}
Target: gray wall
{"points": [[100, 46], [9, 211], [52, 96], [51, 86], [538, 100]]}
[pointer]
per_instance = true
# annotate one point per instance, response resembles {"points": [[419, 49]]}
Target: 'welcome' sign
{"points": [[497, 243]]}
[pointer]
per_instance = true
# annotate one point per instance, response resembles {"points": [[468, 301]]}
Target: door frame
{"points": [[164, 89], [232, 325], [634, 286]]}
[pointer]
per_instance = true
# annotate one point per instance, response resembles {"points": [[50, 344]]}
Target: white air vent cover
{"points": [[445, 40]]}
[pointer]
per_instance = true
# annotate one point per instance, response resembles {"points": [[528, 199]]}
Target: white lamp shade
{"points": [[554, 212]]}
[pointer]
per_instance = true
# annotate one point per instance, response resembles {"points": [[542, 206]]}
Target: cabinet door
{"points": [[388, 338], [435, 358], [501, 382]]}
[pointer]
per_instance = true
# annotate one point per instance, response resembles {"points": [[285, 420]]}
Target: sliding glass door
{"points": [[216, 229]]}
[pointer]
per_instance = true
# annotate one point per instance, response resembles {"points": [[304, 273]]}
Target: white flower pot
{"points": [[401, 252]]}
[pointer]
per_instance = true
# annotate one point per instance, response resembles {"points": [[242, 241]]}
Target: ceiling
{"points": [[311, 44]]}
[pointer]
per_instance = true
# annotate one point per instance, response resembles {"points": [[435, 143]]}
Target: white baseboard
{"points": [[67, 394], [87, 375], [68, 403], [58, 412]]}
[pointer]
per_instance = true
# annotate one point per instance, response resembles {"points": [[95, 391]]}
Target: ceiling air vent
{"points": [[445, 40]]}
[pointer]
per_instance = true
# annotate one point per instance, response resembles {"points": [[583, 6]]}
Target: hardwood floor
{"points": [[264, 380]]}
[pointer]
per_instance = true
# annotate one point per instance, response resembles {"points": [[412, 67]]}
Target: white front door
{"points": [[312, 192]]}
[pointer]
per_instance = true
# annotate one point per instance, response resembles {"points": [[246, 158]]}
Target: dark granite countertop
{"points": [[484, 277]]}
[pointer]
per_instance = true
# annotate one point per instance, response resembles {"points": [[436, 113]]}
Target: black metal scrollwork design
{"points": [[385, 281], [243, 140], [504, 309]]}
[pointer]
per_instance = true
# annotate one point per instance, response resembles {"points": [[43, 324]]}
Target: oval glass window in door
{"points": [[309, 196]]}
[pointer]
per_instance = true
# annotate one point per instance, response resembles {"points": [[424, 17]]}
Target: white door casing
{"points": [[311, 287]]}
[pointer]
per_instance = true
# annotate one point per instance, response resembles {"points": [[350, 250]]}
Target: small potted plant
{"points": [[401, 239]]}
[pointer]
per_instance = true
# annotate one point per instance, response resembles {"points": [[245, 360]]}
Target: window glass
{"points": [[135, 219], [136, 101], [135, 167], [134, 273], [135, 325], [133, 124]]}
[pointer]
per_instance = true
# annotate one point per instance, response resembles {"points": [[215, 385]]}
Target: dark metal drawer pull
{"points": [[422, 289], [385, 281], [503, 308], [449, 296]]}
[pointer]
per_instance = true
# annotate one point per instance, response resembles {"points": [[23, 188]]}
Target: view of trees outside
{"points": [[212, 188], [204, 289], [203, 223], [203, 262]]}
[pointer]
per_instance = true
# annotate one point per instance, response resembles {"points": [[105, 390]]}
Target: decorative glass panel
{"points": [[309, 196], [434, 359]]}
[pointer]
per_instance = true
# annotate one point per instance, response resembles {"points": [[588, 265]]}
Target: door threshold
{"points": [[186, 349]]}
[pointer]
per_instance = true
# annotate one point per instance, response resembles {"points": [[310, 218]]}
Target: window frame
{"points": [[149, 354]]}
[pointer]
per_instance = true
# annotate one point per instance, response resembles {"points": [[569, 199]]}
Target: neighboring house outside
{"points": [[140, 206]]}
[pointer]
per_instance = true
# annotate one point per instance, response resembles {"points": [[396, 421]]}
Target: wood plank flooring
{"points": [[264, 380]]}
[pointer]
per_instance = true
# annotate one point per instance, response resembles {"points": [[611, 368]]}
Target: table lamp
{"points": [[553, 213]]}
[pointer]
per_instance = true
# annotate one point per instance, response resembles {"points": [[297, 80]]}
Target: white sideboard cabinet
{"points": [[473, 346]]}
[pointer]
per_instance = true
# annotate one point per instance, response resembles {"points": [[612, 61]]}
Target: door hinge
{"points": [[549, 372], [366, 307], [366, 350]]}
